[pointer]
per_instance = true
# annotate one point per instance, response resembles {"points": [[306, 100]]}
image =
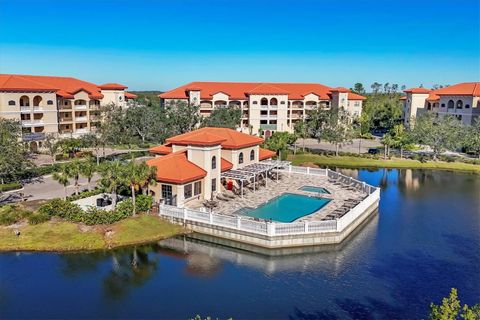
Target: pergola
{"points": [[251, 171]]}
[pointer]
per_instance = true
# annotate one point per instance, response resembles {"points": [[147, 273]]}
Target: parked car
{"points": [[373, 151]]}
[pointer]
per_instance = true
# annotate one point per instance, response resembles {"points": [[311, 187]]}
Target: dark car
{"points": [[373, 151]]}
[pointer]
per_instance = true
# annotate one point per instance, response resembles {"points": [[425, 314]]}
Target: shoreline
{"points": [[62, 236], [316, 160]]}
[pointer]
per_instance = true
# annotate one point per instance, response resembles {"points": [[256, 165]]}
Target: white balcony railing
{"points": [[80, 107], [32, 123], [25, 109], [38, 109], [81, 119], [81, 131]]}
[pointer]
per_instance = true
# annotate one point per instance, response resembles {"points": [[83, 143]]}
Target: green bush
{"points": [[420, 157], [85, 194], [11, 214], [446, 158], [37, 218], [63, 209], [144, 203], [10, 186], [125, 208]]}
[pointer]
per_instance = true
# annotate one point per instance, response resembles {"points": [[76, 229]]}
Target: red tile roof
{"points": [[266, 154], [64, 86], [175, 168], [433, 97], [403, 98], [241, 90], [209, 136], [354, 96], [417, 90], [461, 89], [112, 86], [163, 149], [226, 165], [129, 95], [339, 89]]}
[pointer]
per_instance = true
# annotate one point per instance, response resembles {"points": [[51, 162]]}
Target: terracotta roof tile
{"points": [[64, 86], [461, 89], [354, 96], [266, 154], [417, 90], [112, 86], [240, 90], [175, 168], [209, 136], [129, 95], [226, 165], [163, 149]]}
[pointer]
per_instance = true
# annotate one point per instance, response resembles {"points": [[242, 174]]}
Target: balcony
{"points": [[66, 119], [38, 109], [67, 107], [32, 123], [80, 107], [81, 119], [25, 109], [82, 131], [268, 126]]}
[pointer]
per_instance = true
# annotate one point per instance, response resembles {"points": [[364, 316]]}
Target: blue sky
{"points": [[157, 45]]}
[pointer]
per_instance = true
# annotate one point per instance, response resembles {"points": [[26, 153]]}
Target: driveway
{"points": [[362, 144], [46, 188]]}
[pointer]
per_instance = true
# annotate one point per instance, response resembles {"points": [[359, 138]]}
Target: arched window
{"points": [[24, 101], [49, 102], [11, 102], [36, 101], [459, 104], [252, 155], [214, 162], [264, 102], [80, 102], [240, 158], [467, 106], [273, 102], [450, 104]]}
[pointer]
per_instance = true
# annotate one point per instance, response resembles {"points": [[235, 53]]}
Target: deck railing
{"points": [[270, 228]]}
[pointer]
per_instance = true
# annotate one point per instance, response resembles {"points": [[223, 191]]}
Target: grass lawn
{"points": [[67, 236], [357, 162]]}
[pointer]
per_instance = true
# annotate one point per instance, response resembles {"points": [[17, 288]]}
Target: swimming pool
{"points": [[314, 189], [286, 207]]}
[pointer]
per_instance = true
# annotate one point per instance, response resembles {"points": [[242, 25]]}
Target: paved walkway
{"points": [[46, 188], [358, 144]]}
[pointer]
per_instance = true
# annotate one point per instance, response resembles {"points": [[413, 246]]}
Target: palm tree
{"points": [[112, 178], [75, 170], [62, 176], [137, 176], [87, 169]]}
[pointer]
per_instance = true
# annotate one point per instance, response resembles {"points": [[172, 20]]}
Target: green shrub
{"points": [[85, 194], [63, 209], [420, 157], [125, 208], [37, 218], [11, 214], [447, 158], [144, 203], [10, 186]]}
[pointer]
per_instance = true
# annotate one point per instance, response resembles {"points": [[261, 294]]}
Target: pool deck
{"points": [[288, 183], [318, 228]]}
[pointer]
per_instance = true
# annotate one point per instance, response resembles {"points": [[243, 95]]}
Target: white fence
{"points": [[270, 229]]}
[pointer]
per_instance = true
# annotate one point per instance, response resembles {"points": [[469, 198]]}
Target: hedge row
{"points": [[72, 212], [10, 186]]}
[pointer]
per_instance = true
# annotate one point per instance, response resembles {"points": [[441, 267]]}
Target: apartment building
{"points": [[460, 100], [268, 107], [63, 106]]}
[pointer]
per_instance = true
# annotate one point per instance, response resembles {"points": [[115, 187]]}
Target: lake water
{"points": [[425, 240]]}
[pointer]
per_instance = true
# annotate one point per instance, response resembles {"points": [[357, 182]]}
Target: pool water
{"points": [[314, 189], [287, 207]]}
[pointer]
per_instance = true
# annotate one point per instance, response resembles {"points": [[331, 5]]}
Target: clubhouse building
{"points": [[268, 107], [460, 100], [63, 106], [190, 165]]}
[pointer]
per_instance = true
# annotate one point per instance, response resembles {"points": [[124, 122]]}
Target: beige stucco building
{"points": [[63, 106], [460, 100], [266, 107], [189, 165]]}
